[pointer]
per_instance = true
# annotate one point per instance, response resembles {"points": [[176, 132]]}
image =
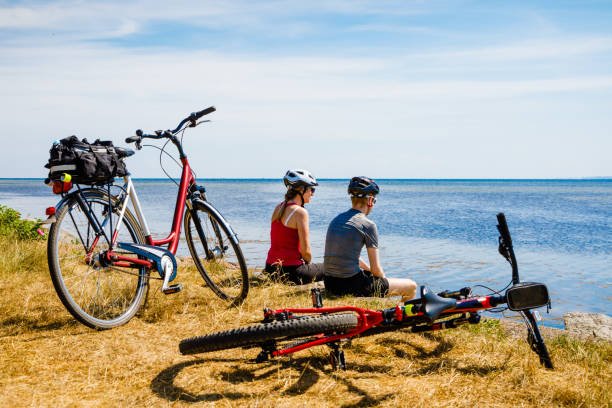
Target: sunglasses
{"points": [[312, 189]]}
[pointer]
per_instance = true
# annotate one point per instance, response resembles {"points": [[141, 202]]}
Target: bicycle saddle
{"points": [[433, 304], [123, 152]]}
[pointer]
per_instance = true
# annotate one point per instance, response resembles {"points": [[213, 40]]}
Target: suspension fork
{"points": [[538, 341]]}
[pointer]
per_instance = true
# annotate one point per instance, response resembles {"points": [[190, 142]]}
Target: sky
{"points": [[386, 89]]}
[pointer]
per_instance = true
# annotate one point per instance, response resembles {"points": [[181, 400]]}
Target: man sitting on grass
{"points": [[345, 272]]}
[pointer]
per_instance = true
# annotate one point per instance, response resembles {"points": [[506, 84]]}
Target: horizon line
{"points": [[596, 178]]}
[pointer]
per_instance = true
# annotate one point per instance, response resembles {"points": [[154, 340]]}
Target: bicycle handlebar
{"points": [[197, 115], [159, 134], [193, 117]]}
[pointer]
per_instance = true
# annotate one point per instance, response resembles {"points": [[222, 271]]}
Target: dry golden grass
{"points": [[50, 360]]}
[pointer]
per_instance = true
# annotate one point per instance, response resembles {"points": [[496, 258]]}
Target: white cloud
{"points": [[535, 49], [78, 16], [417, 114]]}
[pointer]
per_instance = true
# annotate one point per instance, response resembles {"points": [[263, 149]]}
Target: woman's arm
{"points": [[301, 218], [374, 259]]}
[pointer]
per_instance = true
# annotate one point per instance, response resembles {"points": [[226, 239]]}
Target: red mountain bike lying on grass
{"points": [[285, 331]]}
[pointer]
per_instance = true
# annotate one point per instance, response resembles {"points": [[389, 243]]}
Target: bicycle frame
{"points": [[387, 319], [172, 239]]}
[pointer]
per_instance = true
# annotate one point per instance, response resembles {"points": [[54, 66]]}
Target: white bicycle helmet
{"points": [[299, 177]]}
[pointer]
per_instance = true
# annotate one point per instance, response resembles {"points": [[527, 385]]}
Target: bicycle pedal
{"points": [[172, 289]]}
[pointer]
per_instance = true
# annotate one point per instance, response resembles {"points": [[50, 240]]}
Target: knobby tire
{"points": [[255, 335]]}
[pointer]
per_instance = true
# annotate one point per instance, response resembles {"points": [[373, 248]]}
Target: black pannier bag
{"points": [[87, 163]]}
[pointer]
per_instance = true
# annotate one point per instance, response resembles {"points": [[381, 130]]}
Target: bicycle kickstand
{"points": [[266, 352], [336, 356], [317, 297]]}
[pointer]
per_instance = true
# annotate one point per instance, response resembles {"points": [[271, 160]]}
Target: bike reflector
{"points": [[60, 187], [527, 295]]}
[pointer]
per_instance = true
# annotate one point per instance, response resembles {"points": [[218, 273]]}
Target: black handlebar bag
{"points": [[87, 163]]}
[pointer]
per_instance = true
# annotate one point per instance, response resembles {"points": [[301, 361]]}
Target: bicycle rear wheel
{"points": [[97, 294], [255, 335], [216, 252]]}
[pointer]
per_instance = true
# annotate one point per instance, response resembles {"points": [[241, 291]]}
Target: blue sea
{"points": [[441, 233]]}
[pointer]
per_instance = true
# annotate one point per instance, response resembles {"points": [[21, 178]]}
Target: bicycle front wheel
{"points": [[280, 330], [216, 252], [96, 293]]}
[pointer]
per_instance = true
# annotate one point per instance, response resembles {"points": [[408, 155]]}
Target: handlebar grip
{"points": [[503, 228], [198, 115], [132, 139]]}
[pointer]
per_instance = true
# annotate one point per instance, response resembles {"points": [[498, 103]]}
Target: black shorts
{"points": [[300, 274], [364, 284]]}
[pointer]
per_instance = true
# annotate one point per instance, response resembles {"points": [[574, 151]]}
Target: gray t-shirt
{"points": [[346, 236]]}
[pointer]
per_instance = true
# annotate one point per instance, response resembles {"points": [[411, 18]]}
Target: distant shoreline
{"points": [[607, 178]]}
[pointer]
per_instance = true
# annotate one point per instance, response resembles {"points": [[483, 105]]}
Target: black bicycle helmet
{"points": [[362, 187], [299, 178]]}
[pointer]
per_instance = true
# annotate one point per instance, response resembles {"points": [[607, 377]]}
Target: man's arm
{"points": [[374, 259]]}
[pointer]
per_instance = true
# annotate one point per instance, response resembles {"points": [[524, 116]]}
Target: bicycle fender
{"points": [[69, 196], [51, 219]]}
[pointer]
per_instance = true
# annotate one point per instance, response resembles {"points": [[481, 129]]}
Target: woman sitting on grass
{"points": [[289, 255]]}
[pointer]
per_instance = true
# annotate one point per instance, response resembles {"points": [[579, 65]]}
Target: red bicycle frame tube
{"points": [[368, 319], [173, 238]]}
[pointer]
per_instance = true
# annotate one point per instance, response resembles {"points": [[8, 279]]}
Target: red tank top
{"points": [[284, 244]]}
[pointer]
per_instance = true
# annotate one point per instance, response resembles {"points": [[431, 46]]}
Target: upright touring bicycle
{"points": [[288, 330], [102, 255]]}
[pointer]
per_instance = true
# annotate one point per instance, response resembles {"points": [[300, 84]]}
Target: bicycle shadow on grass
{"points": [[443, 346], [440, 363], [163, 385], [311, 370], [16, 325]]}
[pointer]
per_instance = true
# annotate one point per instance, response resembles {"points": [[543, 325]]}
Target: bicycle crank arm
{"points": [[168, 289]]}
